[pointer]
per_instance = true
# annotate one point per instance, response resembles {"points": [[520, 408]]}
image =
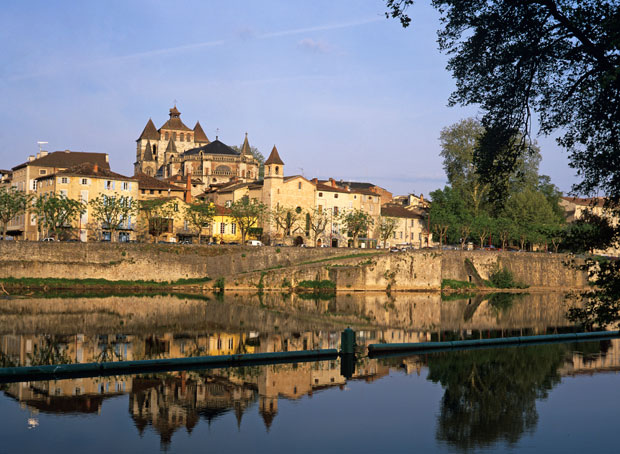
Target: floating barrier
{"points": [[429, 347], [60, 371]]}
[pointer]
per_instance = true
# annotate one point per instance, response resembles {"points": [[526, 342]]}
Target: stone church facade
{"points": [[174, 149]]}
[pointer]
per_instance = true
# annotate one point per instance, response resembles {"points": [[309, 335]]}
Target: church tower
{"points": [[147, 149], [274, 178]]}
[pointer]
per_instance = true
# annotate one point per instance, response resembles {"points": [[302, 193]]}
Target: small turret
{"points": [[274, 167]]}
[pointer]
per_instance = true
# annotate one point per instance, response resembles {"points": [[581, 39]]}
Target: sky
{"points": [[341, 91]]}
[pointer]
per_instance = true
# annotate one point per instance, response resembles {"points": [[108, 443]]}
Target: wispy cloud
{"points": [[319, 28], [169, 51], [311, 45]]}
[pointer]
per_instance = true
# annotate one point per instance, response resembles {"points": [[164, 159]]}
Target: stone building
{"points": [[86, 182], [24, 177], [410, 229], [174, 149]]}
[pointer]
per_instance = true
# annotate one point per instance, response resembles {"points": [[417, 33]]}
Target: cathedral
{"points": [[174, 150]]}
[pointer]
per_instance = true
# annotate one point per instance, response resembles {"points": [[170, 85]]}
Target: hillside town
{"points": [[189, 189]]}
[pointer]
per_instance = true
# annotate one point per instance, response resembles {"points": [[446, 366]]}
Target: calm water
{"points": [[551, 398]]}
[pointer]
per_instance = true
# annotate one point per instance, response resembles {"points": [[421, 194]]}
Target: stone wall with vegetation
{"points": [[157, 262]]}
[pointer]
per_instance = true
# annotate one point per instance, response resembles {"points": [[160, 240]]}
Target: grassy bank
{"points": [[29, 283]]}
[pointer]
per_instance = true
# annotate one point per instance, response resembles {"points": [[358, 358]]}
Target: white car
{"points": [[254, 243]]}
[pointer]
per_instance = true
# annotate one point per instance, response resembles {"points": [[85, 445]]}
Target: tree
{"points": [[386, 228], [482, 227], [555, 58], [285, 218], [316, 223], [356, 222], [159, 216], [12, 203], [111, 212], [55, 212], [528, 210], [448, 214], [199, 214], [248, 213]]}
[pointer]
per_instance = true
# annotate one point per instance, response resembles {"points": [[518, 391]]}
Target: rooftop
{"points": [[67, 159]]}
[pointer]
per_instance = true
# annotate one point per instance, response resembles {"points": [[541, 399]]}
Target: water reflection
{"points": [[488, 396]]}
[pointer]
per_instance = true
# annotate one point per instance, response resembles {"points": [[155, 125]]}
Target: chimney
{"points": [[67, 151], [31, 158], [315, 181], [44, 153], [188, 189], [95, 168], [332, 182]]}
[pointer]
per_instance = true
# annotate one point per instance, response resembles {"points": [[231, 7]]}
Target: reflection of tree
{"points": [[50, 350], [490, 395]]}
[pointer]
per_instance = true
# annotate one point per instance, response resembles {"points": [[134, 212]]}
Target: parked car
{"points": [[254, 243], [49, 238]]}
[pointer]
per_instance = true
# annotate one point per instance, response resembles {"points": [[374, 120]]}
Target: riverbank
{"points": [[28, 266]]}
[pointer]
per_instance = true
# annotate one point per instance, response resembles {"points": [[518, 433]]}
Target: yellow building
{"points": [[24, 177], [410, 229], [86, 182]]}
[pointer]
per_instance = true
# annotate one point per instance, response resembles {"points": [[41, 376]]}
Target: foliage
{"points": [[447, 214], [158, 214], [111, 212], [456, 285], [199, 214], [590, 232], [386, 228], [258, 156], [285, 218], [317, 285], [503, 278], [600, 306], [248, 213], [12, 204], [356, 222], [55, 212], [316, 222]]}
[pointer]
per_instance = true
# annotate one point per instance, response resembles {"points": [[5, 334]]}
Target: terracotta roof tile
{"points": [[148, 182], [87, 169]]}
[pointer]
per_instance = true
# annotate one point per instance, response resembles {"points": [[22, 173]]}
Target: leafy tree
{"points": [[447, 214], [386, 228], [159, 216], [504, 230], [111, 212], [528, 210], [555, 58], [199, 214], [316, 223], [248, 213], [55, 212], [356, 222], [12, 203], [590, 232], [285, 218], [482, 227]]}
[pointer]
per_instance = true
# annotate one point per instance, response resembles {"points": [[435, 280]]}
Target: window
{"points": [[182, 137], [174, 136], [335, 211], [277, 170], [42, 172], [230, 344], [320, 209], [335, 196], [219, 344], [320, 194], [299, 185], [151, 191], [233, 228], [84, 181], [64, 180], [176, 207], [108, 184], [222, 228], [167, 136], [125, 186], [33, 185]]}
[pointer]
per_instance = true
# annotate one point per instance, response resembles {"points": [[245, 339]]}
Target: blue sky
{"points": [[339, 89]]}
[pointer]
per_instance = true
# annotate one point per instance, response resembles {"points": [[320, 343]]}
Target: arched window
{"points": [[174, 136], [182, 137], [277, 170], [154, 149], [167, 135]]}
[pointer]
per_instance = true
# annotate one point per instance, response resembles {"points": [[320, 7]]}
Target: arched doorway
{"points": [[299, 241]]}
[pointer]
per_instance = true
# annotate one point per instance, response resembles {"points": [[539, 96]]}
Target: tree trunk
{"points": [[4, 227]]}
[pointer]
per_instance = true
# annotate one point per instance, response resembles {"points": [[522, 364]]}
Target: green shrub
{"points": [[317, 285], [456, 285], [503, 278]]}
